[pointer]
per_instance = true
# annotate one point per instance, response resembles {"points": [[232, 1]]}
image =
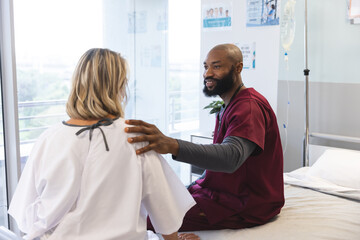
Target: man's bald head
{"points": [[232, 52]]}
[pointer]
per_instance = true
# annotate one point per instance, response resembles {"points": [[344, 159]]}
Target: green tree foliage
{"points": [[34, 86]]}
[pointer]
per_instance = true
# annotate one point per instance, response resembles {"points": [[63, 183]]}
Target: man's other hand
{"points": [[188, 236], [157, 140]]}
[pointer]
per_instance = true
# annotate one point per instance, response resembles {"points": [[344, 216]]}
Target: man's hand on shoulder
{"points": [[157, 140]]}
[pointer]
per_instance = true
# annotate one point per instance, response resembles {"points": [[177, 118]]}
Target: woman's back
{"points": [[82, 191]]}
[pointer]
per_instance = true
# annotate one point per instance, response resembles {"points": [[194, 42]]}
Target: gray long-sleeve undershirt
{"points": [[225, 157]]}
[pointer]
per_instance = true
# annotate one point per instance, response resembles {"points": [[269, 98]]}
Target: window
{"points": [[183, 74], [51, 36], [3, 195]]}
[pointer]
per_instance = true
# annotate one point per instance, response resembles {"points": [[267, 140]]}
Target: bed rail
{"points": [[335, 137], [325, 136]]}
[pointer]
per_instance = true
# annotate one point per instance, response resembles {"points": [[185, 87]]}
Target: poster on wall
{"points": [[162, 21], [354, 11], [262, 13], [150, 56], [249, 54], [140, 18], [217, 16]]}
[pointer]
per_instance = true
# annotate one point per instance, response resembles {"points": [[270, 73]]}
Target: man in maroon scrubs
{"points": [[243, 184]]}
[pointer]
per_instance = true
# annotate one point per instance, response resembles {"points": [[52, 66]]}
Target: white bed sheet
{"points": [[307, 214], [300, 177]]}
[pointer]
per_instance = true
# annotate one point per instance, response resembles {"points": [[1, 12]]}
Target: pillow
{"points": [[338, 166]]}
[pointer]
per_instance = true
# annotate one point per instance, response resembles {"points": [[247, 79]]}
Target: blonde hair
{"points": [[98, 85]]}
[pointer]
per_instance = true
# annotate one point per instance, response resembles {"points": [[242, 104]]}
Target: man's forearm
{"points": [[225, 157]]}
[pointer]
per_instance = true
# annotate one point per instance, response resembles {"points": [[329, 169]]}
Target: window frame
{"points": [[9, 102]]}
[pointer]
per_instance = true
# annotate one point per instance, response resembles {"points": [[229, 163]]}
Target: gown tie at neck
{"points": [[102, 122]]}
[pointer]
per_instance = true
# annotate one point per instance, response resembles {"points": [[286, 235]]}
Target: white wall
{"points": [[264, 77], [333, 44]]}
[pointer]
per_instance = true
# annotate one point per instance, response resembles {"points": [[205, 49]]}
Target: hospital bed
{"points": [[322, 201], [6, 234]]}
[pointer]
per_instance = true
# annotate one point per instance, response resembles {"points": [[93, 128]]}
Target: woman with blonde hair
{"points": [[83, 180]]}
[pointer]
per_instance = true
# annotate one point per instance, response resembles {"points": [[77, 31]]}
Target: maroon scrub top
{"points": [[255, 191]]}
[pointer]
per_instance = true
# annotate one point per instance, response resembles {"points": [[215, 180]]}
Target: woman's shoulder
{"points": [[52, 130], [58, 134]]}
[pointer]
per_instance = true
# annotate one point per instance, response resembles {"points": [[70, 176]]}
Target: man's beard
{"points": [[222, 85]]}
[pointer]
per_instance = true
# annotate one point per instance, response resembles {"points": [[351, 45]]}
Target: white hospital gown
{"points": [[72, 188]]}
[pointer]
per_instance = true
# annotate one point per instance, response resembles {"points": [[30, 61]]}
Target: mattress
{"points": [[307, 214]]}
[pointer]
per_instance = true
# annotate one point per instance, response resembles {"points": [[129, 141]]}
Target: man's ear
{"points": [[239, 67]]}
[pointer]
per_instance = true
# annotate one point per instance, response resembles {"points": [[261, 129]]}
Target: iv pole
{"points": [[306, 74]]}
